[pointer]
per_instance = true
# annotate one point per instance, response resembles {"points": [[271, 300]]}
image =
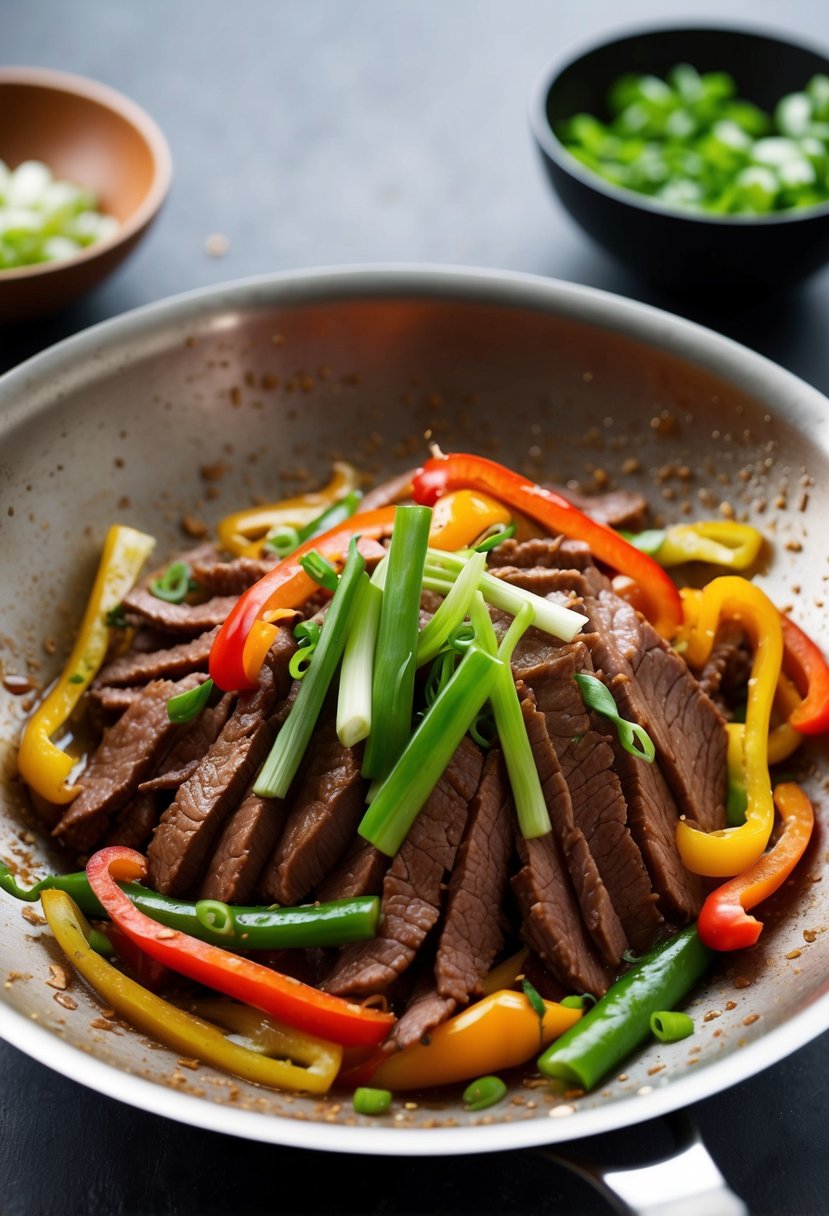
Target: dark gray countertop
{"points": [[331, 133]]}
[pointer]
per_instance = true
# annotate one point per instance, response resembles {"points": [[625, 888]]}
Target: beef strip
{"points": [[172, 662], [142, 605], [247, 840], [653, 686], [217, 577], [425, 1010], [134, 823], [128, 752], [554, 552], [412, 887], [543, 581], [471, 936], [616, 508], [359, 873], [324, 815], [188, 828], [600, 916], [188, 752], [108, 703], [728, 666]]}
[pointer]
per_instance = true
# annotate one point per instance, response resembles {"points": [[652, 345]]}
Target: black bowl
{"points": [[682, 251]]}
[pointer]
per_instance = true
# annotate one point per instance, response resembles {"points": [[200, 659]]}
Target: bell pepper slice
{"points": [[443, 474], [721, 542], [42, 765], [723, 921], [463, 516], [806, 665], [184, 1033], [277, 995], [722, 853], [244, 532], [500, 1031]]}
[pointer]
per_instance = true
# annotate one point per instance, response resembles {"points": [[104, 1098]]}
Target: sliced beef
{"points": [[728, 666], [562, 585], [412, 888], [127, 754], [554, 552], [472, 934], [171, 662], [616, 508], [191, 619], [360, 872], [108, 703], [425, 1010], [551, 922], [653, 686], [217, 577], [190, 825], [323, 818], [246, 842], [134, 823], [600, 916], [189, 751], [388, 492]]}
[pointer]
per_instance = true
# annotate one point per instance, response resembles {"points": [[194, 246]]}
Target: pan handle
{"points": [[683, 1183]]}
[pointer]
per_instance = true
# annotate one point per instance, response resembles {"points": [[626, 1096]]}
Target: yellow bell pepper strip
{"points": [[244, 532], [722, 853], [784, 740], [182, 1032], [806, 665], [723, 921], [461, 517], [721, 542], [500, 1031], [442, 474], [506, 974], [42, 765], [280, 996]]}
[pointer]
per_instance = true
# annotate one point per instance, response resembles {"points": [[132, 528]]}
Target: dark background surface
{"points": [[328, 133]]}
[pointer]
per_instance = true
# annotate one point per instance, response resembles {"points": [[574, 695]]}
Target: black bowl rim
{"points": [[549, 143]]}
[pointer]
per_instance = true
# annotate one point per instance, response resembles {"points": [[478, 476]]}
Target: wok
{"points": [[260, 383]]}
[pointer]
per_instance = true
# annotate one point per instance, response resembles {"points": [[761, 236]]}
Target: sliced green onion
{"points": [[392, 693], [670, 1026], [337, 513], [369, 1101], [282, 540], [307, 633], [399, 799], [501, 532], [633, 737], [482, 731], [319, 569], [281, 766], [440, 673], [116, 617], [649, 542], [450, 614], [354, 698], [484, 1092], [174, 583], [188, 705]]}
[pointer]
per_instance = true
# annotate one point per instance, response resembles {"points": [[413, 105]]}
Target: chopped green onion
{"points": [[281, 766], [307, 633], [649, 541], [116, 618], [188, 705], [283, 540], [671, 1026], [633, 737], [77, 678], [337, 513], [534, 997], [392, 693], [319, 569], [502, 532], [450, 614], [174, 583], [482, 731], [484, 1092], [354, 697], [369, 1101], [440, 673], [399, 799]]}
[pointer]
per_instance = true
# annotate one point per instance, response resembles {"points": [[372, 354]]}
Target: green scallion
{"points": [[282, 540], [669, 1026], [633, 737], [354, 697], [369, 1101], [337, 513], [188, 705], [484, 1092], [319, 569], [450, 614], [174, 583], [307, 633], [501, 533]]}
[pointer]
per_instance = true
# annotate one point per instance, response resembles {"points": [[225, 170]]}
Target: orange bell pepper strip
{"points": [[804, 662], [723, 921], [443, 474], [462, 517], [279, 996]]}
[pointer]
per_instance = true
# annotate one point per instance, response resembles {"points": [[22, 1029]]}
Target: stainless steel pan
{"points": [[265, 382]]}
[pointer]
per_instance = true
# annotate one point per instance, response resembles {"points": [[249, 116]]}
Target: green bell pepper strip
{"points": [[325, 924], [620, 1021]]}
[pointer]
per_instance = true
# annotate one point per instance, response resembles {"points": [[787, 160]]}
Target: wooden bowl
{"points": [[90, 134]]}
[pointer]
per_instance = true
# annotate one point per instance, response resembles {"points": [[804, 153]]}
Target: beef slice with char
{"points": [[133, 825], [190, 619], [323, 819], [247, 840], [653, 686], [424, 1011], [597, 909], [128, 753], [360, 872], [472, 936], [188, 752], [217, 577], [615, 508], [413, 886], [552, 552], [137, 667]]}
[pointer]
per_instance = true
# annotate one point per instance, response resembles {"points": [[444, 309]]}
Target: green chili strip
{"points": [[399, 799], [670, 1026], [325, 924], [174, 583], [368, 1101], [633, 737], [354, 697], [188, 705], [620, 1021], [281, 766], [451, 613], [484, 1092], [319, 569], [339, 511], [392, 690]]}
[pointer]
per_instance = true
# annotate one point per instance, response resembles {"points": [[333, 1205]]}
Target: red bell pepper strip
{"points": [[280, 996], [805, 664], [285, 586], [442, 474], [723, 922]]}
